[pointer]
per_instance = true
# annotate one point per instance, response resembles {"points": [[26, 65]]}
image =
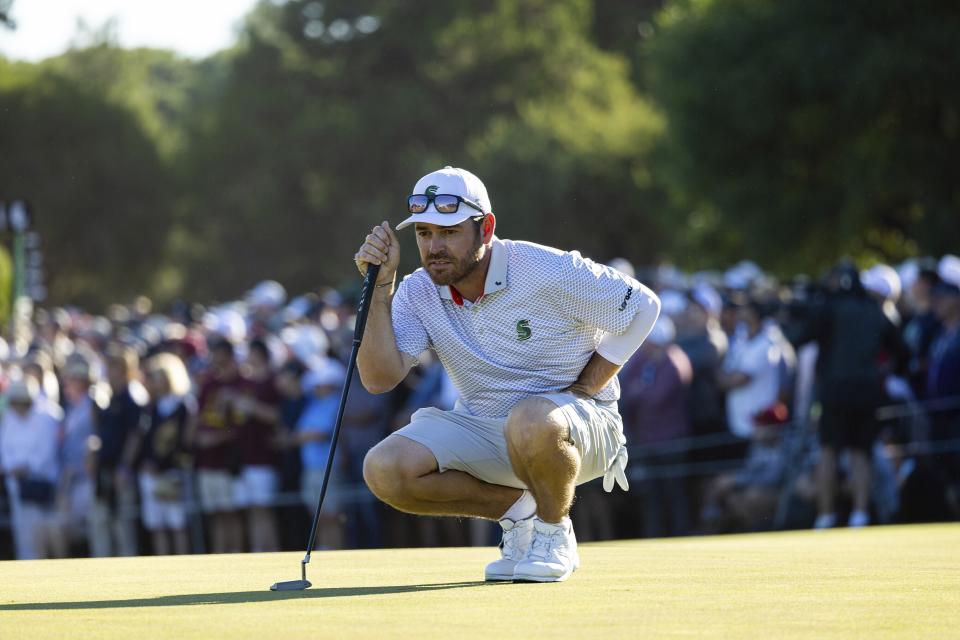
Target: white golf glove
{"points": [[617, 472]]}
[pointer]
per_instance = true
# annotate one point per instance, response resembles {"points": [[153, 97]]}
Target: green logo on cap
{"points": [[431, 190]]}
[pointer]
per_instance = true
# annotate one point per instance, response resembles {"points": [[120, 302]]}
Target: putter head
{"points": [[291, 585]]}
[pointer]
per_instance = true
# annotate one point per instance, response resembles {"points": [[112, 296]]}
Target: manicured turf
{"points": [[879, 582]]}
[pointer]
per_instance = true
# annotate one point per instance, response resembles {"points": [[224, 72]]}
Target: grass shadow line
{"points": [[237, 597]]}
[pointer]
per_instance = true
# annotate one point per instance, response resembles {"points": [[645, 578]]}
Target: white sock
{"points": [[523, 508]]}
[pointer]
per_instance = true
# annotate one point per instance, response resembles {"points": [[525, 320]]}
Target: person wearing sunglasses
{"points": [[532, 338]]}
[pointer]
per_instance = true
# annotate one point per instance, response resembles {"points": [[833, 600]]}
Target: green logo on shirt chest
{"points": [[523, 330]]}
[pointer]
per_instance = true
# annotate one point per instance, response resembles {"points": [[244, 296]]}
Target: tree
{"points": [[100, 193], [330, 111], [798, 130]]}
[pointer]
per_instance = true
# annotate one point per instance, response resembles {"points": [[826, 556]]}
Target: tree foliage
{"points": [[800, 131], [332, 110], [98, 188], [790, 132]]}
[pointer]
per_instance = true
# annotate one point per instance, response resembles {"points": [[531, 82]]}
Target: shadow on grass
{"points": [[238, 597]]}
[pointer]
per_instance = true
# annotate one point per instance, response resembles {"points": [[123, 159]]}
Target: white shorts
{"points": [[161, 500], [216, 490], [477, 445], [256, 487]]}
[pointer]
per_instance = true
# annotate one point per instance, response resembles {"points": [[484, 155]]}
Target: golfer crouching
{"points": [[533, 338]]}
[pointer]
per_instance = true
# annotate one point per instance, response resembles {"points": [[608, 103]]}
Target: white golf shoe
{"points": [[513, 548], [553, 553]]}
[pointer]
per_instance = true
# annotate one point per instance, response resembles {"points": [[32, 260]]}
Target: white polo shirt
{"points": [[759, 358], [532, 331]]}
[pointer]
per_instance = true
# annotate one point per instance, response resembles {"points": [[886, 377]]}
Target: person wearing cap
{"points": [[29, 434], [655, 417], [705, 344], [921, 326], [854, 338], [943, 376], [313, 432], [532, 338], [76, 481]]}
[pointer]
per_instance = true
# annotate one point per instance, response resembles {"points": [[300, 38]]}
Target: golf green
{"points": [[876, 582]]}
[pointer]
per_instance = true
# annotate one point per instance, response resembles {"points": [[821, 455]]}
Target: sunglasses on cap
{"points": [[442, 202]]}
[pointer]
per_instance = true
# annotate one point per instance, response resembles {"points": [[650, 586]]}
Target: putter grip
{"points": [[369, 282]]}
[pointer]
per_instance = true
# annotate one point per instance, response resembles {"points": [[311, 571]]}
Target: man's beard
{"points": [[458, 268]]}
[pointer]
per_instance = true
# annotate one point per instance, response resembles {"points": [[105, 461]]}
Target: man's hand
{"points": [[594, 377], [380, 247]]}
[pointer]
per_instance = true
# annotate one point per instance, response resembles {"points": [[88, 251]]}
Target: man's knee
{"points": [[535, 422], [391, 466]]}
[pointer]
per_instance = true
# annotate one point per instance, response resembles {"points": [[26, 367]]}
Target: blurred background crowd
{"points": [[753, 405]]}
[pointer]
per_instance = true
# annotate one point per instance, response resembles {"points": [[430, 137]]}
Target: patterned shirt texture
{"points": [[537, 324]]}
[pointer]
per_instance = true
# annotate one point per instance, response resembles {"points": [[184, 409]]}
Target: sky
{"points": [[193, 28]]}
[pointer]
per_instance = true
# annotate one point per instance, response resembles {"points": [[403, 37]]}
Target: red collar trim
{"points": [[457, 297]]}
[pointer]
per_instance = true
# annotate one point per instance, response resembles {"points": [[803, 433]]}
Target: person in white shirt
{"points": [[532, 337], [751, 371], [29, 441]]}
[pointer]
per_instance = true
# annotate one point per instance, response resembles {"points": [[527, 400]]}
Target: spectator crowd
{"points": [[752, 405]]}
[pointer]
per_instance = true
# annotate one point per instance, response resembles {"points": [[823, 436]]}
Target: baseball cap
{"points": [[708, 298], [452, 181], [22, 389], [663, 332], [323, 373], [882, 280], [949, 272]]}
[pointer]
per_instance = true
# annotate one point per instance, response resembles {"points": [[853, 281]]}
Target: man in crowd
{"points": [[944, 378], [855, 337], [533, 338], [29, 433], [654, 383], [214, 442], [751, 371], [257, 415], [114, 515]]}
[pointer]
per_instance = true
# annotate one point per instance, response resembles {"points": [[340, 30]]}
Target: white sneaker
{"points": [[858, 519], [825, 521], [553, 553], [513, 548]]}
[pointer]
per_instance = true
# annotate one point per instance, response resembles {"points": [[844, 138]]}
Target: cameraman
{"points": [[857, 345]]}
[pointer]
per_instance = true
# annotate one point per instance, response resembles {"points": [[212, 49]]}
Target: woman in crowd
{"points": [[163, 454]]}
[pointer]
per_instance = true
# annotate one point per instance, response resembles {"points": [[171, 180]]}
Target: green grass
{"points": [[879, 582]]}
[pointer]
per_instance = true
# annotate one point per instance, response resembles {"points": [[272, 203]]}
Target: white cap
{"points": [[22, 389], [306, 342], [883, 281], [672, 302], [623, 266], [457, 182], [268, 293], [949, 270], [663, 332], [226, 322], [708, 298], [325, 372]]}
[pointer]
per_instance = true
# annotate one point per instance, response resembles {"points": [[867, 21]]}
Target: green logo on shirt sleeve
{"points": [[523, 330]]}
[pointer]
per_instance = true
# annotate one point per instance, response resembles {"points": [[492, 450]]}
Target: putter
{"points": [[369, 282]]}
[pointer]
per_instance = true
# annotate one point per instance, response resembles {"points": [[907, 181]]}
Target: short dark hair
{"points": [[478, 224], [259, 345]]}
